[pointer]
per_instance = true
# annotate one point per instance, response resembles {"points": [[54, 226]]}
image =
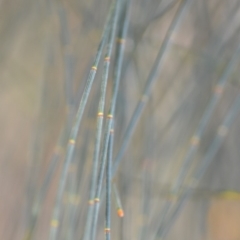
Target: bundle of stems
{"points": [[74, 132], [199, 173], [81, 189], [195, 140], [100, 115], [153, 76]]}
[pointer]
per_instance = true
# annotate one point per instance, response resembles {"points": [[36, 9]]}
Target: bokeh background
{"points": [[46, 52]]}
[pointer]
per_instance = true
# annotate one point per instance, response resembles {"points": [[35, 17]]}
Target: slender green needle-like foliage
{"points": [[195, 141], [43, 190], [68, 65], [146, 198], [163, 12], [117, 74], [40, 194], [109, 188], [37, 142], [100, 115], [169, 81], [208, 159], [68, 60], [82, 178], [65, 131], [74, 133], [153, 76], [120, 211]]}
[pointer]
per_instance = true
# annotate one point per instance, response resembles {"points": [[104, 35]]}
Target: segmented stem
{"points": [[100, 115], [208, 159], [153, 76], [108, 187], [74, 133]]}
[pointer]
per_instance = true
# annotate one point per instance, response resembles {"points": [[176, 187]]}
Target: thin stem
{"points": [[153, 76], [100, 114], [82, 171], [68, 59], [138, 38], [110, 116], [39, 196], [120, 211], [74, 133], [108, 187], [37, 142], [146, 198], [195, 141], [213, 149]]}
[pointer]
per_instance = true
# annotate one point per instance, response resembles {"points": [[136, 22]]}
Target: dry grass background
{"points": [[33, 112]]}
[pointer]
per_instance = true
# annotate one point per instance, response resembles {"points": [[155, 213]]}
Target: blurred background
{"points": [[46, 52]]}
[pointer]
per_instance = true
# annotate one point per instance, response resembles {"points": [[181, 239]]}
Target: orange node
{"points": [[110, 116], [100, 114], [96, 200], [94, 68], [107, 230], [120, 212], [121, 40], [54, 223], [71, 141], [107, 59]]}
